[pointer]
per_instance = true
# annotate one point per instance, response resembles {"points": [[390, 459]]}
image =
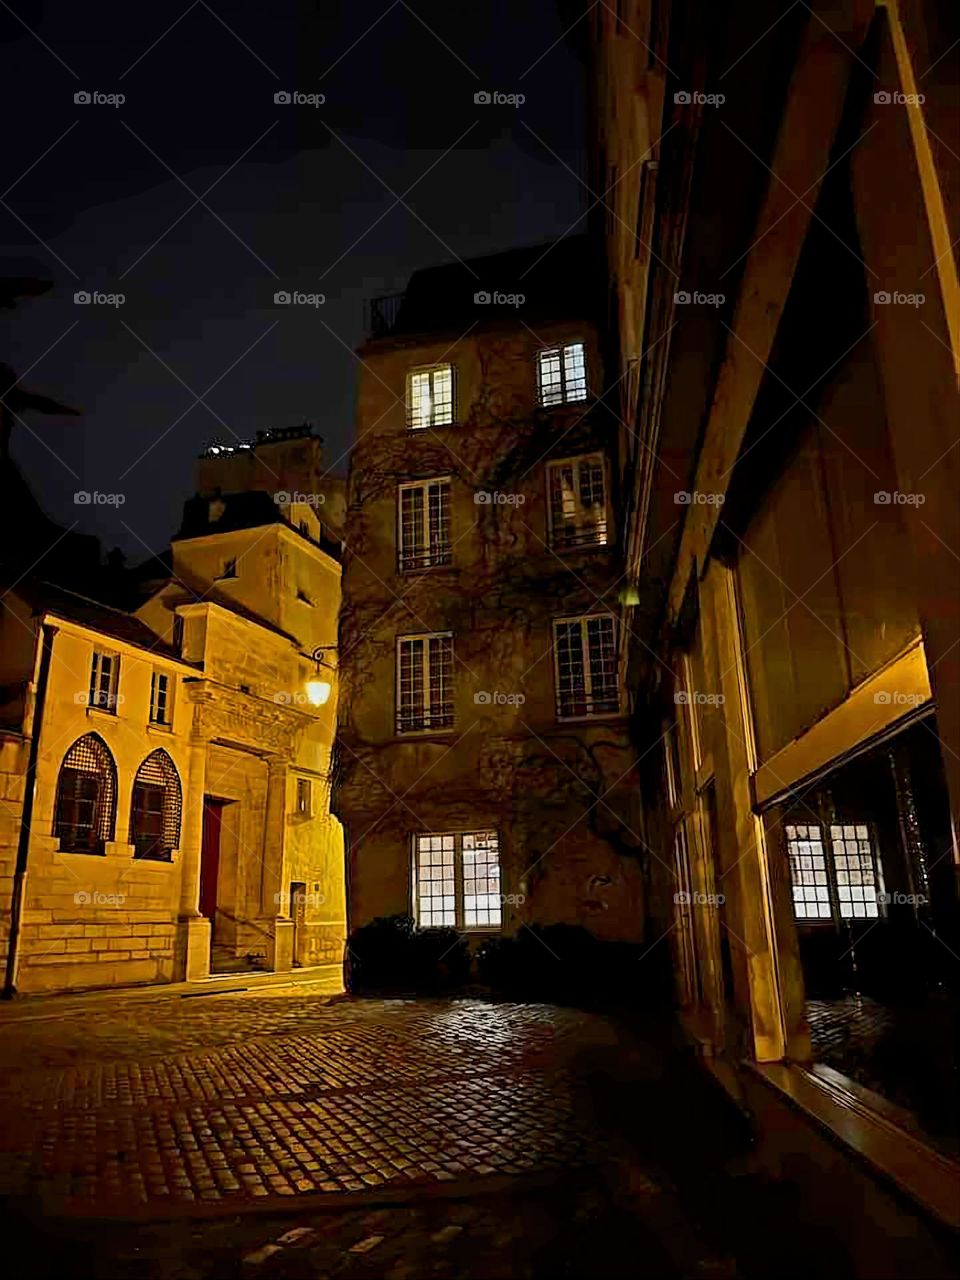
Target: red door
{"points": [[210, 857]]}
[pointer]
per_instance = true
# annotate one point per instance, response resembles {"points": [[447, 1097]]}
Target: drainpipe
{"points": [[29, 788]]}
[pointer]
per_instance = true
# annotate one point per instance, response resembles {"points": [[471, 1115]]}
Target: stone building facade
{"points": [[780, 220], [178, 811], [482, 778]]}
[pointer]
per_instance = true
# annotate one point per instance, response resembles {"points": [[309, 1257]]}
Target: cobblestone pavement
{"points": [[152, 1104], [395, 1139]]}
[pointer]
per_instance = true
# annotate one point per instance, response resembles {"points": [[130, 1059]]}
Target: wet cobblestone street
{"points": [[166, 1103], [274, 1134]]}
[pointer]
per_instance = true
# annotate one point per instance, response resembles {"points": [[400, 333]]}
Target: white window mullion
{"points": [[458, 879]]}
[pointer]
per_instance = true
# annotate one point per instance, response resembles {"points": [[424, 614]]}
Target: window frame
{"points": [[166, 720], [229, 570], [304, 788], [583, 619], [95, 691], [554, 464], [431, 370], [161, 847], [565, 399], [837, 917], [424, 636], [459, 895], [103, 824], [444, 559]]}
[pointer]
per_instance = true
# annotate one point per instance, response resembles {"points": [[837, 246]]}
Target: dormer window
{"points": [[229, 569]]}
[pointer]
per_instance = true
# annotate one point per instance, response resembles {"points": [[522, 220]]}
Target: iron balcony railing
{"points": [[382, 314]]}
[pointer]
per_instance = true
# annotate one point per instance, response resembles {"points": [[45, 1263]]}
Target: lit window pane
{"points": [[458, 880], [562, 375], [578, 507], [808, 873], [859, 882], [430, 398]]}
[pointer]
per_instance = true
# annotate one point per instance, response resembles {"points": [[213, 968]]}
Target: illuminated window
{"points": [[304, 797], [562, 374], [578, 502], [808, 873], [155, 808], [424, 525], [104, 681], [585, 667], [430, 397], [844, 882], [86, 804], [424, 683], [161, 699], [858, 875], [457, 880]]}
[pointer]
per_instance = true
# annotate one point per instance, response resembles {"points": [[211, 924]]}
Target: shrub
{"points": [[392, 954], [566, 964]]}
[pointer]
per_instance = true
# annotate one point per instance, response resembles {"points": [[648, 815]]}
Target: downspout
{"points": [[29, 789]]}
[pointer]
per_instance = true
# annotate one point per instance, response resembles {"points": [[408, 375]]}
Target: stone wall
{"points": [[92, 921], [88, 919], [553, 790]]}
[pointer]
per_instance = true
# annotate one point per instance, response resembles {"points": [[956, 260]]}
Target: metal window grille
{"points": [[156, 807], [457, 880], [425, 683], [585, 660], [578, 506], [424, 541], [104, 681], [159, 698], [86, 804], [430, 397], [562, 374]]}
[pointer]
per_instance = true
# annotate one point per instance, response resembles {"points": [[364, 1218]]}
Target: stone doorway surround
{"points": [[270, 731]]}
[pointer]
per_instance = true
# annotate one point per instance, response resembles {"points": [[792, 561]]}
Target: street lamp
{"points": [[320, 686]]}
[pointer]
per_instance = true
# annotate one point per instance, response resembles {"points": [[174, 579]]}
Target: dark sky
{"points": [[95, 197]]}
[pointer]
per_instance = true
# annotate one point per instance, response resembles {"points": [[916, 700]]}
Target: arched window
{"points": [[155, 807], [86, 807]]}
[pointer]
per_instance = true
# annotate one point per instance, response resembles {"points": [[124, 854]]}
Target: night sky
{"points": [[95, 197]]}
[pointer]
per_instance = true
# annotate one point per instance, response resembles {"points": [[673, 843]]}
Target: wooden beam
{"points": [[814, 106]]}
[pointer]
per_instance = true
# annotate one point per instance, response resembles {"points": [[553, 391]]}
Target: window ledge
{"points": [[153, 727], [575, 548], [873, 1130], [101, 713], [598, 718]]}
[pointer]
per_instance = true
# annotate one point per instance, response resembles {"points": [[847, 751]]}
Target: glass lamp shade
{"points": [[318, 691]]}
